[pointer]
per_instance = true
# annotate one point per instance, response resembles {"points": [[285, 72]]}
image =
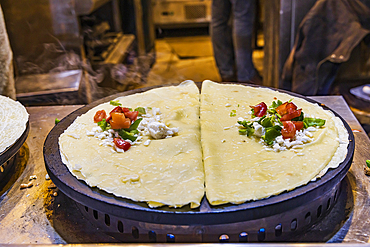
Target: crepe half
{"points": [[166, 172], [13, 122], [239, 168]]}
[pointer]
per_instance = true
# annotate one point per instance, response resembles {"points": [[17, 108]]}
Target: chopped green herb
{"points": [[127, 135], [57, 121], [115, 103], [238, 105], [232, 114], [141, 110], [368, 163], [134, 125], [271, 111], [300, 118], [103, 124], [134, 132], [247, 131], [245, 123], [267, 122], [271, 133], [149, 108], [275, 104], [313, 122]]}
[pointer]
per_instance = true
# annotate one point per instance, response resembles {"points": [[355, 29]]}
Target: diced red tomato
{"points": [[289, 130], [291, 115], [99, 115], [298, 125], [125, 109], [286, 108], [116, 109], [119, 121], [260, 109], [132, 115], [122, 144], [281, 109]]}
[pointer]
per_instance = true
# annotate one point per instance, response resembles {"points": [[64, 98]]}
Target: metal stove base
{"points": [[287, 226]]}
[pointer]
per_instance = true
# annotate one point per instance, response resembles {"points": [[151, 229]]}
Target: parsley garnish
{"points": [[115, 103], [103, 124], [127, 135], [135, 124], [308, 122], [141, 110], [57, 121], [233, 113]]}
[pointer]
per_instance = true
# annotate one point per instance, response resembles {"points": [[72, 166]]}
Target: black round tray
{"points": [[205, 215]]}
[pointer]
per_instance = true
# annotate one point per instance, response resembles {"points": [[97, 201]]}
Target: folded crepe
{"points": [[239, 168], [160, 172]]}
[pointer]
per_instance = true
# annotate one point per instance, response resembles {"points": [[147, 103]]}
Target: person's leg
{"points": [[244, 17], [221, 34]]}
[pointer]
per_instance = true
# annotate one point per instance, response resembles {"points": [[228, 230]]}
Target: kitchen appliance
{"points": [[278, 218]]}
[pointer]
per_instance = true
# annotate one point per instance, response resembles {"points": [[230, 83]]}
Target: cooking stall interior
{"points": [[67, 54]]}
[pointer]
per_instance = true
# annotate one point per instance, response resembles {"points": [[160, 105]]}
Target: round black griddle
{"points": [[272, 219]]}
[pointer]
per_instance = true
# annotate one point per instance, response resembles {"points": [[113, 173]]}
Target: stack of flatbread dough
{"points": [[208, 154], [13, 122]]}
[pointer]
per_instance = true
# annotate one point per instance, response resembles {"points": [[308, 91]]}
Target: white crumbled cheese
{"points": [[228, 105], [119, 150], [223, 140], [146, 143], [311, 129], [226, 128], [240, 119], [159, 130], [258, 129], [100, 135], [90, 133], [150, 125], [96, 129]]}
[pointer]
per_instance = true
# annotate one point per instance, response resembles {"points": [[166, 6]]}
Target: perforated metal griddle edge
{"points": [[205, 214]]}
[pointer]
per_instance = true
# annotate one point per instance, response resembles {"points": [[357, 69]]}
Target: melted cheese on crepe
{"points": [[13, 121], [238, 168], [167, 172]]}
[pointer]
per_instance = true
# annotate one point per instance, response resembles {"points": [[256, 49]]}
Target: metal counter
{"points": [[43, 215]]}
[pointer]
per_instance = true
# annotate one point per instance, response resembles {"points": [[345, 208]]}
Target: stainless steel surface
{"points": [[57, 82], [37, 215]]}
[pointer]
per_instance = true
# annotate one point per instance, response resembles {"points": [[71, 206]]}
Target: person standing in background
{"points": [[232, 46]]}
